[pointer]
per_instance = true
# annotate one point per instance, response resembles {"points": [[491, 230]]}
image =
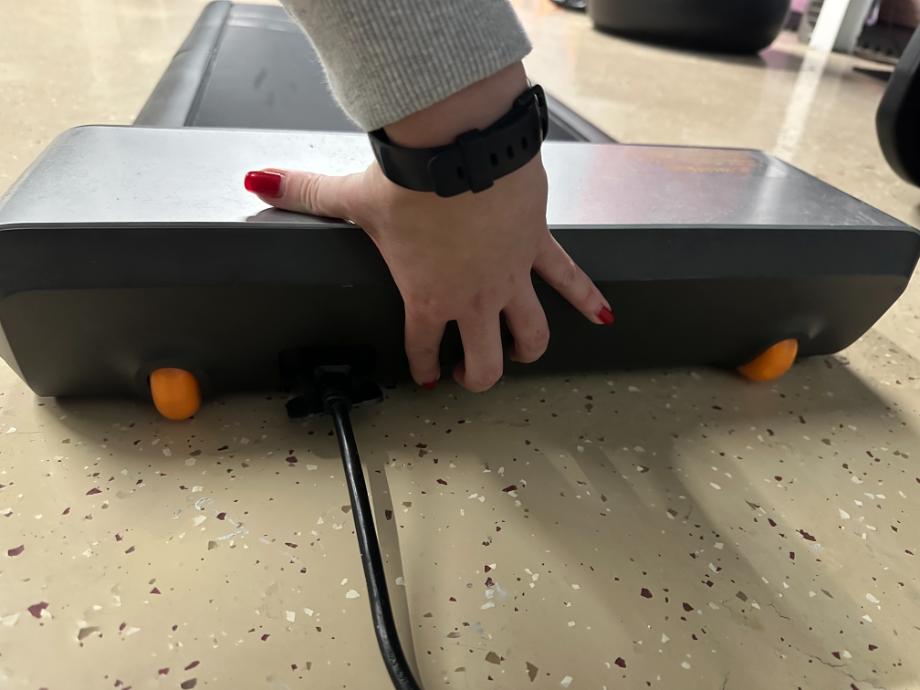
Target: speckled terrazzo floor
{"points": [[665, 529]]}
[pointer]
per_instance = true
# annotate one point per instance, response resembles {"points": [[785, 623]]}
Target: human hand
{"points": [[466, 258]]}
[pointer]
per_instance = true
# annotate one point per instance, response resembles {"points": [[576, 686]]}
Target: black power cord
{"points": [[331, 381], [381, 612]]}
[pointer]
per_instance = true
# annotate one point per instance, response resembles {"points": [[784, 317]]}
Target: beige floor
{"points": [[669, 529]]}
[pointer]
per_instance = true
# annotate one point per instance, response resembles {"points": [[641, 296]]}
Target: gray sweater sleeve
{"points": [[386, 59]]}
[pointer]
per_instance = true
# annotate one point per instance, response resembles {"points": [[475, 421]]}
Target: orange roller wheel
{"points": [[772, 363], [175, 393]]}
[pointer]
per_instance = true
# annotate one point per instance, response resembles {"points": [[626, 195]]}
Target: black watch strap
{"points": [[476, 158]]}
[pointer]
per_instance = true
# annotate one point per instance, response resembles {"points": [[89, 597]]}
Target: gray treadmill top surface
{"points": [[135, 175]]}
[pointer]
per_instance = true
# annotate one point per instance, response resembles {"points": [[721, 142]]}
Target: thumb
{"points": [[305, 192]]}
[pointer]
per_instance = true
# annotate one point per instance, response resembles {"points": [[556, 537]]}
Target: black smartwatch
{"points": [[476, 158]]}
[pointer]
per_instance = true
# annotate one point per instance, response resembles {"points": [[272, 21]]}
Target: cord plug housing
{"points": [[317, 377]]}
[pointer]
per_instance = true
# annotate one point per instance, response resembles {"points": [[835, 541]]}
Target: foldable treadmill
{"points": [[133, 263], [114, 268]]}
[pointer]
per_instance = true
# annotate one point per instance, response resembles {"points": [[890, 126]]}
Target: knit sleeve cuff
{"points": [[386, 59]]}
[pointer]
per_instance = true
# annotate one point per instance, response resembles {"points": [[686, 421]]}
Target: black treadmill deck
{"points": [[250, 66]]}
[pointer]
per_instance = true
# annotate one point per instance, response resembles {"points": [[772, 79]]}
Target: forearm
{"points": [[389, 59], [475, 107]]}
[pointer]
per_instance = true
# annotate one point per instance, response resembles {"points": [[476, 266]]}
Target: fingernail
{"points": [[430, 386], [264, 183], [605, 315]]}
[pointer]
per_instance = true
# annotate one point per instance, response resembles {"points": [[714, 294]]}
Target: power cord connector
{"points": [[332, 382]]}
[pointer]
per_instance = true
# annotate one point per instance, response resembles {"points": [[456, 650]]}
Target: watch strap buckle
{"points": [[464, 165]]}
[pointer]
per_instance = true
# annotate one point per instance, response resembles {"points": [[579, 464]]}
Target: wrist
{"points": [[475, 107]]}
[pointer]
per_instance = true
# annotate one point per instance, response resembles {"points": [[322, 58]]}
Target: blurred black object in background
{"points": [[734, 26], [897, 121]]}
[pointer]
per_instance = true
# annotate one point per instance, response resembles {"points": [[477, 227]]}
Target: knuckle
{"points": [[424, 308], [485, 377], [480, 305], [421, 351], [570, 274], [309, 191], [533, 345]]}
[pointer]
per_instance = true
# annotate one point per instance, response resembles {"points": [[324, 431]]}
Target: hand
{"points": [[466, 258]]}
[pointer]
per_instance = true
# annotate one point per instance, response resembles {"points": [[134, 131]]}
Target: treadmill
{"points": [[116, 281], [110, 273]]}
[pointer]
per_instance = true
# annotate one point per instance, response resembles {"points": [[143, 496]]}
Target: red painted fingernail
{"points": [[263, 183], [605, 315], [430, 386]]}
